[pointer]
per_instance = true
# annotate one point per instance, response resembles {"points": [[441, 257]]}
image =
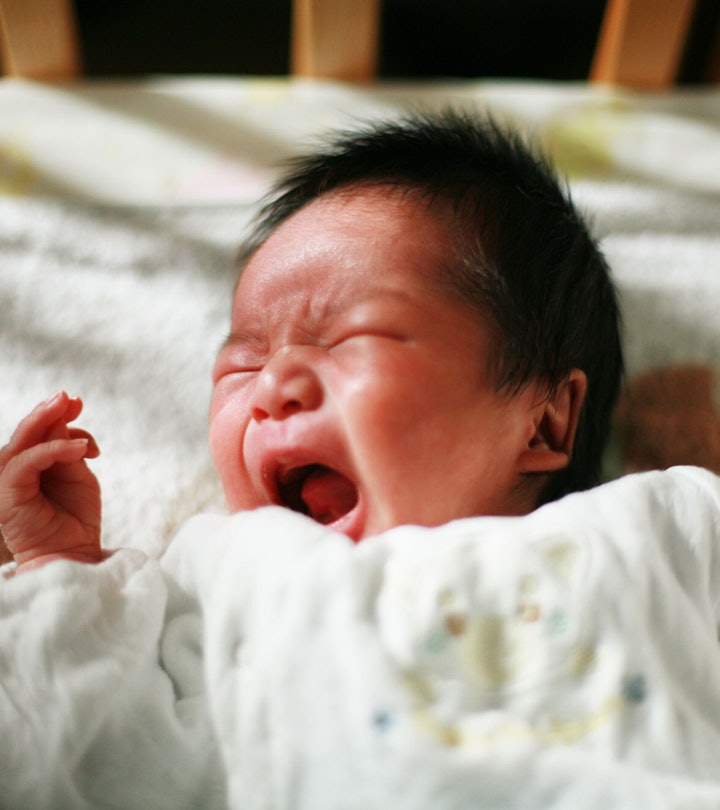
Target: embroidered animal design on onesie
{"points": [[487, 652]]}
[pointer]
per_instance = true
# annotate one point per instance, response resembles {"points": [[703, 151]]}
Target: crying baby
{"points": [[423, 329]]}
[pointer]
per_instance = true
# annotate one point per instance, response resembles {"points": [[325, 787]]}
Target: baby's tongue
{"points": [[328, 495]]}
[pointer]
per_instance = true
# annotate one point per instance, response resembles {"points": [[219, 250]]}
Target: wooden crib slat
{"points": [[641, 42], [38, 39], [713, 72], [335, 39]]}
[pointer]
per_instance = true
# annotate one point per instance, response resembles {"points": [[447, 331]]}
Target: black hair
{"points": [[523, 253]]}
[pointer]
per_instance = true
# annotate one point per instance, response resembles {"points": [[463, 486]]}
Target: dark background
{"points": [[544, 39], [552, 39]]}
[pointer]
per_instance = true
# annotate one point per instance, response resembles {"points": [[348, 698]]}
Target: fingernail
{"points": [[54, 398]]}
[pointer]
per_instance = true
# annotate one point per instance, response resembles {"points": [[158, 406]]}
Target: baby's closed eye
{"points": [[241, 353], [228, 364]]}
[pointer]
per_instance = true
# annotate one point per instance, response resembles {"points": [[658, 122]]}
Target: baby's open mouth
{"points": [[318, 491]]}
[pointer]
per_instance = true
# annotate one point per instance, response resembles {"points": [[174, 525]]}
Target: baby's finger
{"points": [[93, 451], [74, 409], [6, 555], [59, 429], [33, 427], [21, 475]]}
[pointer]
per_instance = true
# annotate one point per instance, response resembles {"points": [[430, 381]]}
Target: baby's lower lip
{"points": [[352, 523]]}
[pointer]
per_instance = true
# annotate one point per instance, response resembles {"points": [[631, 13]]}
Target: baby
{"points": [[423, 330]]}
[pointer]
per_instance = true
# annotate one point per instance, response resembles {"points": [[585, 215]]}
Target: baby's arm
{"points": [[49, 499]]}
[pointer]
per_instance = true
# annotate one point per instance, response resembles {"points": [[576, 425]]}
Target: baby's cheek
{"points": [[234, 489], [230, 403], [224, 438], [223, 393], [220, 451]]}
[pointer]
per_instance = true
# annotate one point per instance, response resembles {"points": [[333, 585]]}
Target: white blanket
{"points": [[567, 659]]}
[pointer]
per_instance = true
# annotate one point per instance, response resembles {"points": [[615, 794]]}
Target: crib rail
{"points": [[641, 42]]}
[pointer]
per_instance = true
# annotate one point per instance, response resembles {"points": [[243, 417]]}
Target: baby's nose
{"points": [[287, 384]]}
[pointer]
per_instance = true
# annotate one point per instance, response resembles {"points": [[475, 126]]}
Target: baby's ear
{"points": [[555, 421]]}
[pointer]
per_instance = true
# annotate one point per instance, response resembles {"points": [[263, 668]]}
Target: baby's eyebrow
{"points": [[340, 307], [244, 339]]}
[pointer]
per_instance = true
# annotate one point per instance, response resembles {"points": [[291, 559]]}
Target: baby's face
{"points": [[351, 388]]}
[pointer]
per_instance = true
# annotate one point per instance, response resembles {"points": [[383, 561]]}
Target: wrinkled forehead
{"points": [[388, 222], [368, 195]]}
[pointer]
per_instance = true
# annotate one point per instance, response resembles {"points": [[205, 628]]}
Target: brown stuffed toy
{"points": [[670, 416]]}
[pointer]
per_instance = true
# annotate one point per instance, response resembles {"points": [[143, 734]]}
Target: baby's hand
{"points": [[49, 499]]}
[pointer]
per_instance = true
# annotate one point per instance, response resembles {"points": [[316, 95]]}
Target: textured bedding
{"points": [[562, 660]]}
